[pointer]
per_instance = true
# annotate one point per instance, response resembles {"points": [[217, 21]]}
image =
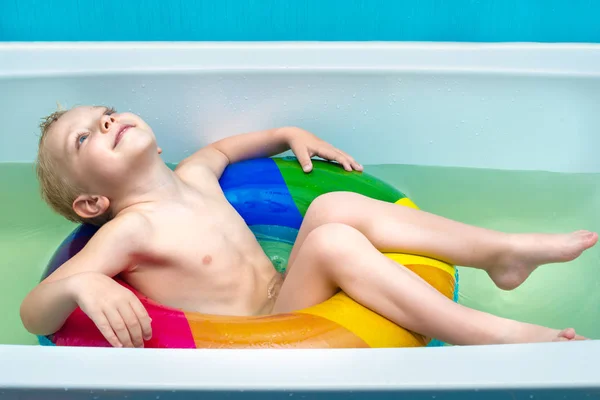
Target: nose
{"points": [[106, 123]]}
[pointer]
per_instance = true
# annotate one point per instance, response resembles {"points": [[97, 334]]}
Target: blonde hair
{"points": [[56, 189]]}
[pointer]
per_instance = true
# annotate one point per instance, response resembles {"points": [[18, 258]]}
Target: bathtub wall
{"points": [[532, 107]]}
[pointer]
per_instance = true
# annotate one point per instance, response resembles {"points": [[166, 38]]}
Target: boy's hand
{"points": [[116, 311], [306, 145]]}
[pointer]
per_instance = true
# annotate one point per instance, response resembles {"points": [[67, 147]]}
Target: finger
{"points": [[105, 329], [118, 325], [143, 317], [328, 153], [357, 166], [133, 325], [304, 159], [346, 160], [334, 154]]}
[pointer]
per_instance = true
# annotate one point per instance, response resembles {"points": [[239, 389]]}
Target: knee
{"points": [[334, 207], [333, 241]]}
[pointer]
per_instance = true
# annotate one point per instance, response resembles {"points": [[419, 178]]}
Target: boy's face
{"points": [[97, 148]]}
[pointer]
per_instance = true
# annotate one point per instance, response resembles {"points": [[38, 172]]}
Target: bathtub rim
{"points": [[508, 367], [42, 59]]}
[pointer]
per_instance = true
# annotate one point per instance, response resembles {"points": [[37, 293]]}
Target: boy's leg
{"points": [[336, 256], [508, 258]]}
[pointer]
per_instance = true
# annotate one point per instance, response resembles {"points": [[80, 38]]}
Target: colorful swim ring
{"points": [[272, 195]]}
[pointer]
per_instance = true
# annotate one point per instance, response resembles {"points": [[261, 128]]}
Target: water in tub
{"points": [[556, 295], [331, 105]]}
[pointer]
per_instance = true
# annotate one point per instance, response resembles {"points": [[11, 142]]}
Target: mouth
{"points": [[120, 134]]}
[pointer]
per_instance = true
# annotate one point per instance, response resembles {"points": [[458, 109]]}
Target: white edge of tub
{"points": [[568, 366], [71, 58]]}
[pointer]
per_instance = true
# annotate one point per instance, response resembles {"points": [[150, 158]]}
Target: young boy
{"points": [[173, 236]]}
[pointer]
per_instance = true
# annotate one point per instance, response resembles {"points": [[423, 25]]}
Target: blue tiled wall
{"points": [[312, 20]]}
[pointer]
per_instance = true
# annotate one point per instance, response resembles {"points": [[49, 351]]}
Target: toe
{"points": [[568, 334]]}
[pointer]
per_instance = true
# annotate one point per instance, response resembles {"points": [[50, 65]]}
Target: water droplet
{"points": [[353, 128], [96, 397], [531, 396], [483, 99], [291, 394], [366, 111], [156, 118], [285, 103], [391, 103], [308, 86], [158, 397], [476, 133], [449, 89], [399, 80], [245, 97], [143, 85], [338, 106], [431, 142], [354, 95], [132, 90], [462, 121]]}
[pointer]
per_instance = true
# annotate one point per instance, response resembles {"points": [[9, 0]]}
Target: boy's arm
{"points": [[266, 143], [86, 281]]}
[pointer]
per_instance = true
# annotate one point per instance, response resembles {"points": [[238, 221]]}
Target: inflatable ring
{"points": [[272, 195]]}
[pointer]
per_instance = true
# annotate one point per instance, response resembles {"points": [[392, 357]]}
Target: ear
{"points": [[90, 206], [159, 150]]}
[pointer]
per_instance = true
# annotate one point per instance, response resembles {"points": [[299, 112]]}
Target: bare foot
{"points": [[529, 333], [528, 251]]}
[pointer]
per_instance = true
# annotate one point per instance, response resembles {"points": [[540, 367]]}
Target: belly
{"points": [[213, 276]]}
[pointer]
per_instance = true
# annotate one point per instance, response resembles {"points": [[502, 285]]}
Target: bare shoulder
{"points": [[130, 230], [203, 169], [112, 249]]}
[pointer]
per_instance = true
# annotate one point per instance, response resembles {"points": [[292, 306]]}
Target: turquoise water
{"points": [[556, 295], [332, 20]]}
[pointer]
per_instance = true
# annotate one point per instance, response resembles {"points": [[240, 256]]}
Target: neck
{"points": [[149, 186]]}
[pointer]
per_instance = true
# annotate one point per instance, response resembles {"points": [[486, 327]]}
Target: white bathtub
{"points": [[384, 103]]}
